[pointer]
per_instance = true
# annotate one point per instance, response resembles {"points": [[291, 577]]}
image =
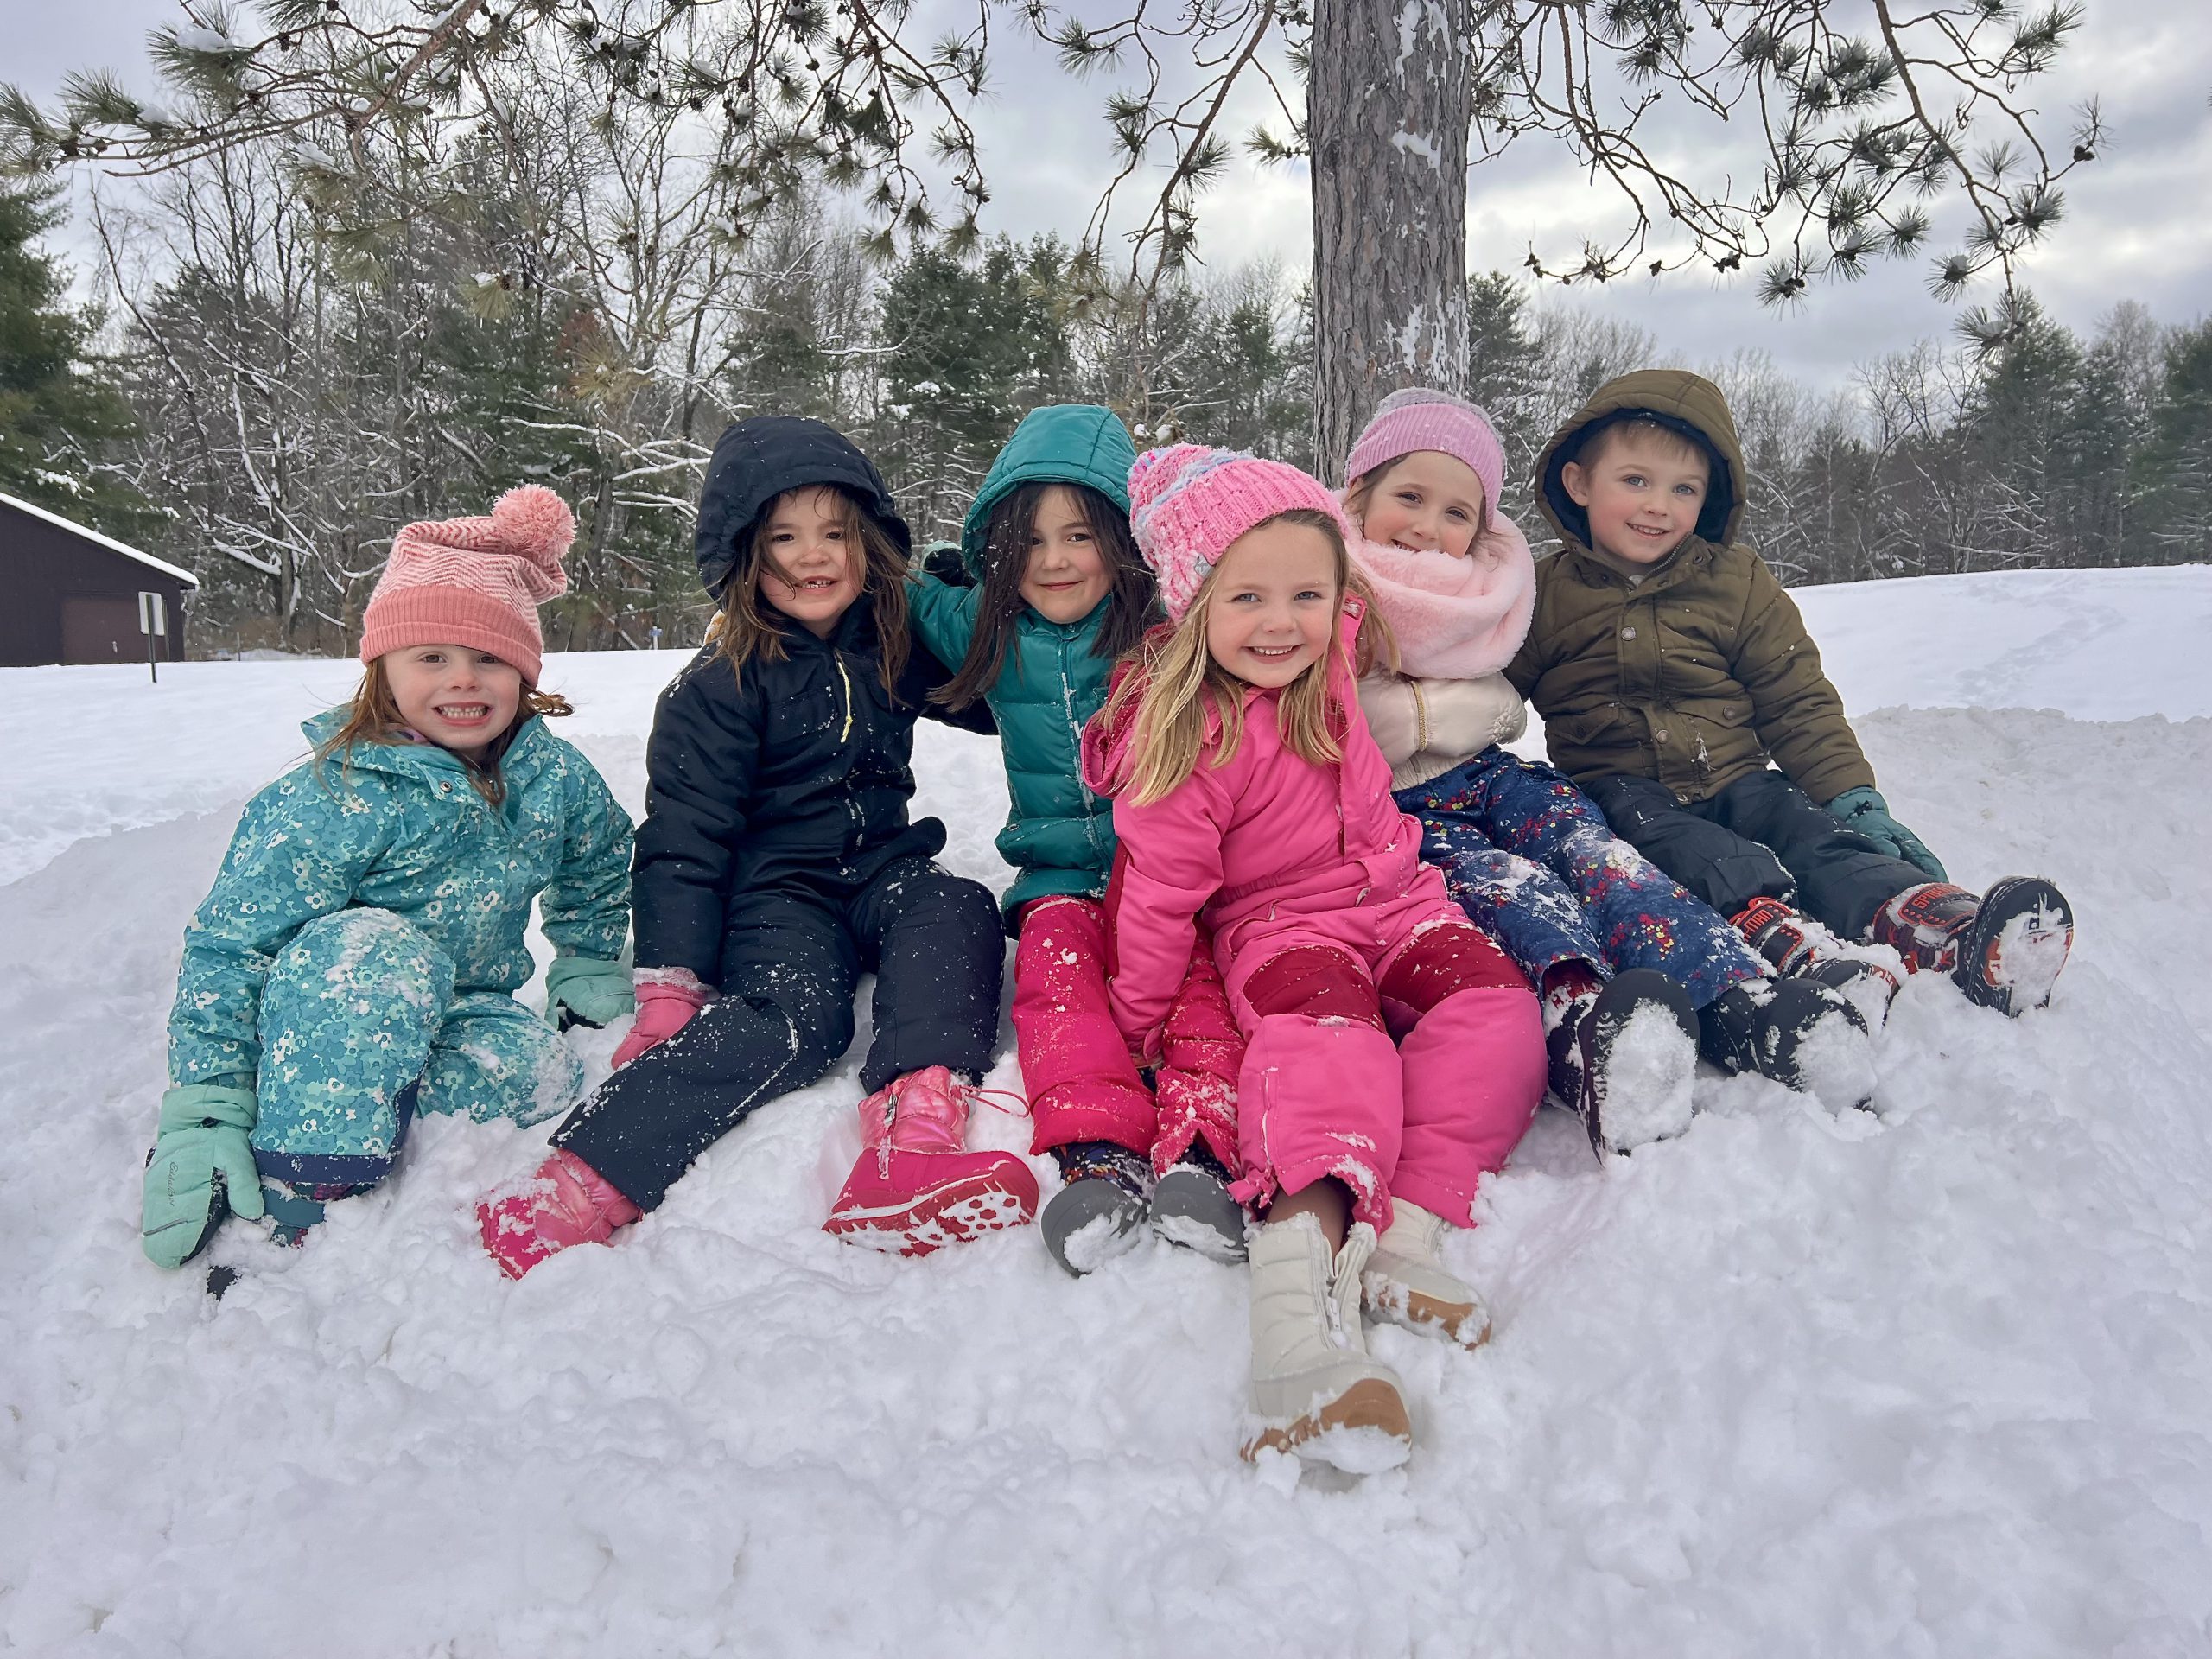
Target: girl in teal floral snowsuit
{"points": [[357, 960]]}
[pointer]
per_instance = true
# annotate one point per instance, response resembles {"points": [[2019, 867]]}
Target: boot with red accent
{"points": [[1800, 948], [2004, 949], [566, 1202], [914, 1187]]}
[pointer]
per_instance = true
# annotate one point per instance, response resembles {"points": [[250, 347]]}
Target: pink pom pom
{"points": [[536, 526]]}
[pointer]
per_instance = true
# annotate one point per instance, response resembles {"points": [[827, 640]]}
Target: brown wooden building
{"points": [[70, 595]]}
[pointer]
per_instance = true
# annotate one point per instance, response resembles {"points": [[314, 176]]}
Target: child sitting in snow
{"points": [[356, 962], [1060, 593], [1634, 973], [1671, 668], [775, 866], [1248, 796]]}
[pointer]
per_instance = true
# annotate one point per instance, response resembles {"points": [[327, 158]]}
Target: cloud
{"points": [[2135, 227]]}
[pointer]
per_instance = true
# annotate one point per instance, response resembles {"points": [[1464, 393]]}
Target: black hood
{"points": [[755, 462]]}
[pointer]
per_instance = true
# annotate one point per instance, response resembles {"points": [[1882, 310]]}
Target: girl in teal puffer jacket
{"points": [[357, 959], [1059, 594]]}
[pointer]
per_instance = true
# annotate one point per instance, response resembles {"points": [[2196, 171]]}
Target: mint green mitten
{"points": [[202, 1169], [584, 991]]}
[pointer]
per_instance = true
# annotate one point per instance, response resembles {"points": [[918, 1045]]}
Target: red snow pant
{"points": [[1083, 1085], [1325, 1093]]}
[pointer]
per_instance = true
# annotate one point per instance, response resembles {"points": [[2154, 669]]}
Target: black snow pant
{"points": [[1762, 834], [790, 961]]}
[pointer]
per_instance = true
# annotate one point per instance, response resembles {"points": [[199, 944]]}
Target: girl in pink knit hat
{"points": [[1394, 1054], [357, 960], [1635, 974]]}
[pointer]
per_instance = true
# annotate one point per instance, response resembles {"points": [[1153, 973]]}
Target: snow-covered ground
{"points": [[1935, 1383]]}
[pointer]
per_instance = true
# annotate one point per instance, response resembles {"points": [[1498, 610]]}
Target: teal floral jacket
{"points": [[400, 828]]}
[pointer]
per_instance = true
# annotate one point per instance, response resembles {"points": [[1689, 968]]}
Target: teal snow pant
{"points": [[361, 1029]]}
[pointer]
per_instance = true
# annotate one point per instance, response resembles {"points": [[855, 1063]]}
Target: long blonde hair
{"points": [[747, 626], [1177, 691], [373, 717]]}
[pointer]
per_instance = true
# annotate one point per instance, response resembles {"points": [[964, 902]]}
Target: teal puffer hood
{"points": [[1059, 836], [1063, 443]]}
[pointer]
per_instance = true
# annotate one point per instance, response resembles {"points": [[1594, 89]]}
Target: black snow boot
{"points": [[2004, 949], [1797, 947], [1191, 1206], [1095, 1216], [1804, 1035], [1623, 1060]]}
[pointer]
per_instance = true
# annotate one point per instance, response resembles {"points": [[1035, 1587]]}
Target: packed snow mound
{"points": [[1932, 1380]]}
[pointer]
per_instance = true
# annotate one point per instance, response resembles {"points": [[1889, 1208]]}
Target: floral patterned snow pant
{"points": [[361, 1029], [1531, 861]]}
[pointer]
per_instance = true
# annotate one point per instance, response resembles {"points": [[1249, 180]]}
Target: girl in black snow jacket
{"points": [[775, 864]]}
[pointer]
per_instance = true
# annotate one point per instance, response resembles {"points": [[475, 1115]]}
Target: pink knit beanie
{"points": [[475, 582], [1187, 502], [1419, 418]]}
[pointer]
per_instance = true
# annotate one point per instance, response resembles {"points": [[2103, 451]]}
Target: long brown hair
{"points": [[1131, 593], [747, 626], [1177, 685], [373, 717]]}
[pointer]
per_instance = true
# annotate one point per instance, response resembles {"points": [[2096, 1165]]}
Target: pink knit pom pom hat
{"points": [[1187, 502], [475, 582], [1419, 418]]}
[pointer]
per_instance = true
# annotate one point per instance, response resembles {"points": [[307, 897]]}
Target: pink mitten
{"points": [[665, 1007]]}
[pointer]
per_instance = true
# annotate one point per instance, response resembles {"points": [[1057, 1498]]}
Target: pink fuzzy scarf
{"points": [[1455, 619]]}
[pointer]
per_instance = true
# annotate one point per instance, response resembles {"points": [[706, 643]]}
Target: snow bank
{"points": [[1932, 1382]]}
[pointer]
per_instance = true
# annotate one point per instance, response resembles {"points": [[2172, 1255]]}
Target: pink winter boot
{"points": [[566, 1202], [914, 1188]]}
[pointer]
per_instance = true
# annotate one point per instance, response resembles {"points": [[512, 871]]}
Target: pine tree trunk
{"points": [[1387, 109]]}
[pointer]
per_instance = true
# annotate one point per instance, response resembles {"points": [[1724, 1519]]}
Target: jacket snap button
{"points": [[1627, 633], [1661, 735]]}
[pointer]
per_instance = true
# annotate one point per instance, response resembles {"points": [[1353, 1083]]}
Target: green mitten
{"points": [[584, 991], [202, 1169], [1865, 810]]}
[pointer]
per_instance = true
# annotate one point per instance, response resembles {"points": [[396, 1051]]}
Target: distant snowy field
{"points": [[1934, 1383]]}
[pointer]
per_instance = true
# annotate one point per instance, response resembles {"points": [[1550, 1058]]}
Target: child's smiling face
{"points": [[459, 697], [1274, 603], [1643, 491], [1067, 574], [813, 569], [1426, 502]]}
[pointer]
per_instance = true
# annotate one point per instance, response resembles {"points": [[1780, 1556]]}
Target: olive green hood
{"points": [[1685, 403]]}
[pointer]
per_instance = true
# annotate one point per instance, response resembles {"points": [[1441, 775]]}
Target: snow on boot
{"points": [[1094, 1217], [2004, 950], [566, 1202], [1191, 1206], [914, 1188], [1802, 1035], [1797, 947], [1314, 1388], [1405, 1280], [1628, 1051]]}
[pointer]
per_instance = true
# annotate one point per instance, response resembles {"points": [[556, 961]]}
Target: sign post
{"points": [[153, 619]]}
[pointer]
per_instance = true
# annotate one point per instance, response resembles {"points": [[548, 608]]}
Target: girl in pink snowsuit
{"points": [[1249, 796]]}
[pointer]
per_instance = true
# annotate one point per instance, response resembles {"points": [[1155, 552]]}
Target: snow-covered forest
{"points": [[271, 386]]}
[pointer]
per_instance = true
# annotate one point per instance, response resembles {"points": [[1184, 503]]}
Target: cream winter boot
{"points": [[1408, 1284], [1312, 1383]]}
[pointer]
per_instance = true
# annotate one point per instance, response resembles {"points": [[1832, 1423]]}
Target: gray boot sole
{"points": [[1190, 1208], [1088, 1223]]}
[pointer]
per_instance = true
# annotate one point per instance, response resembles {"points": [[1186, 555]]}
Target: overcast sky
{"points": [[2139, 224]]}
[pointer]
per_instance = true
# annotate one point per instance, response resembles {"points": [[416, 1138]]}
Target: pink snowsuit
{"points": [[1082, 1083], [1312, 881]]}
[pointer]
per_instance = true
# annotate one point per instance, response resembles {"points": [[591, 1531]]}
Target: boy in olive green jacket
{"points": [[1678, 686]]}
